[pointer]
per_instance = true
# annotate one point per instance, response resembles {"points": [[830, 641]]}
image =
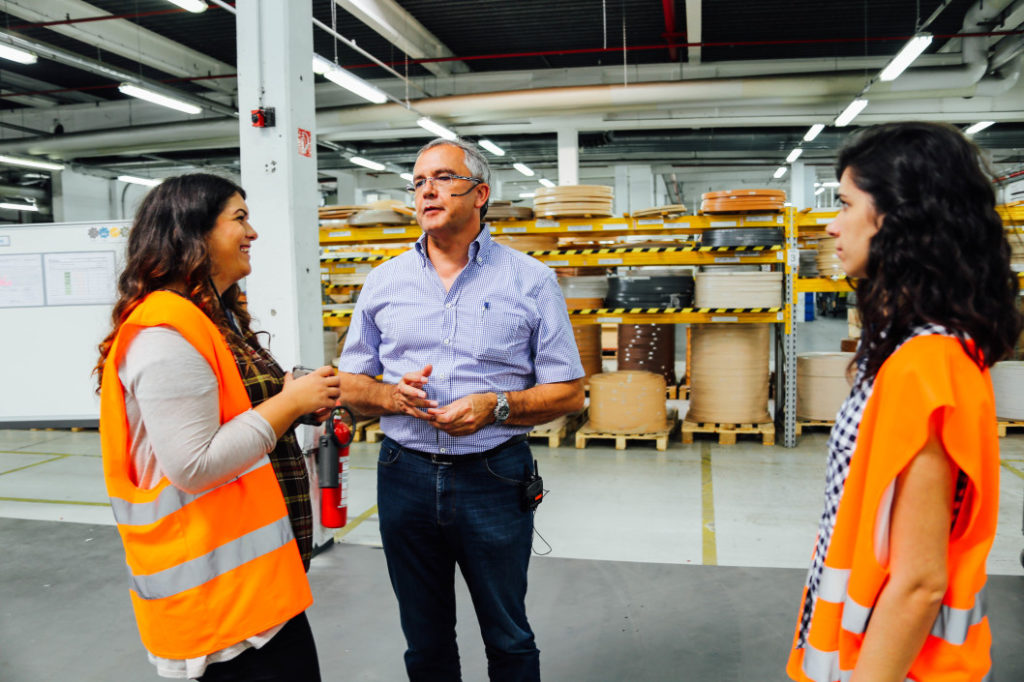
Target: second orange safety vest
{"points": [[929, 377], [206, 570]]}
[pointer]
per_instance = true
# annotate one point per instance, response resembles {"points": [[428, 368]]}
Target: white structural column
{"points": [[274, 48], [694, 23], [801, 185], [568, 156], [634, 189]]}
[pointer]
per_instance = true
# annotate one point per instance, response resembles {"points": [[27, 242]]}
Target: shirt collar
{"points": [[478, 248]]}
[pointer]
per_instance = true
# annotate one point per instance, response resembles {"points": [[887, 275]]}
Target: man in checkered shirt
{"points": [[474, 345]]}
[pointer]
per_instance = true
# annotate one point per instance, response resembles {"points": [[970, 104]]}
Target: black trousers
{"points": [[290, 656]]}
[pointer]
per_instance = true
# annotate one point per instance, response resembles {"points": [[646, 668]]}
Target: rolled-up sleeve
{"points": [[361, 353], [556, 357]]}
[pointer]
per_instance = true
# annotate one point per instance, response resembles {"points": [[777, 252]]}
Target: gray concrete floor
{"points": [[677, 565]]}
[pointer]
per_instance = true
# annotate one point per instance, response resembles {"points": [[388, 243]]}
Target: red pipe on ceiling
{"points": [[668, 8]]}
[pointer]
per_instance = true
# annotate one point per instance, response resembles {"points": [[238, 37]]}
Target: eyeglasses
{"points": [[440, 182]]}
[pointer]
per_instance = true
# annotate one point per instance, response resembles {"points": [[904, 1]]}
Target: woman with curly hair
{"points": [[206, 480], [895, 589]]}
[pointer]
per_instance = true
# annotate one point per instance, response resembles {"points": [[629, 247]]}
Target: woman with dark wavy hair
{"points": [[895, 589], [206, 480]]}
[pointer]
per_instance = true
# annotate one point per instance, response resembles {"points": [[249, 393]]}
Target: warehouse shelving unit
{"points": [[375, 245]]}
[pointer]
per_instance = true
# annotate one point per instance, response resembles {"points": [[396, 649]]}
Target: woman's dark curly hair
{"points": [[167, 246], [941, 254]]}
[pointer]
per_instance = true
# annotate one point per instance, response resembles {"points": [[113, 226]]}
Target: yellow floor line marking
{"points": [[37, 501], [29, 452], [707, 498], [57, 458], [354, 523], [1013, 469]]}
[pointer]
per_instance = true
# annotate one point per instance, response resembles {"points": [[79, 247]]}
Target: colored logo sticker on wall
{"points": [[305, 143]]}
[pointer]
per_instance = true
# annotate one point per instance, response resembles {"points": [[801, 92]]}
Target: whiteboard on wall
{"points": [[57, 288]]}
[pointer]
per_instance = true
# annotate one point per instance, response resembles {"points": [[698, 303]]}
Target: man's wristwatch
{"points": [[501, 410]]}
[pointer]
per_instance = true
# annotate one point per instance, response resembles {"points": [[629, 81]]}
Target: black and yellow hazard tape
{"points": [[665, 311]]}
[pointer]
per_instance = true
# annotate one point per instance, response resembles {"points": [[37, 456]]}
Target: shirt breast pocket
{"points": [[501, 336]]}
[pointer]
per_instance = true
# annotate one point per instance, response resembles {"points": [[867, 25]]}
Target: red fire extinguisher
{"points": [[332, 467]]}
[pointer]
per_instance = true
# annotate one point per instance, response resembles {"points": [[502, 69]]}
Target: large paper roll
{"points": [[729, 377], [627, 402], [821, 384], [1008, 385]]}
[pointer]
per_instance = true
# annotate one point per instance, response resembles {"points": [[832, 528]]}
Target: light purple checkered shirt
{"points": [[503, 326]]}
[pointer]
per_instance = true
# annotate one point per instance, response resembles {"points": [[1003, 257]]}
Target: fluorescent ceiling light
{"points": [[813, 132], [157, 98], [527, 195], [436, 128], [492, 148], [524, 169], [779, 172], [830, 183], [850, 112], [911, 51], [30, 163], [978, 127], [819, 191], [17, 55], [148, 182], [348, 80], [794, 155], [196, 6], [19, 207], [366, 163], [406, 176], [546, 182]]}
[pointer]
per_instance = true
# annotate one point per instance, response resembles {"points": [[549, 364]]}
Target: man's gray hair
{"points": [[475, 162]]}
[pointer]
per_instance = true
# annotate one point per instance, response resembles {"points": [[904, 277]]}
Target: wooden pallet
{"points": [[559, 428], [727, 432], [361, 427], [801, 424], [660, 437], [374, 433], [1005, 424]]}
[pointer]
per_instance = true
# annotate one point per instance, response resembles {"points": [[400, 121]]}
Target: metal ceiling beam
{"points": [[402, 30], [124, 38], [68, 58], [32, 85]]}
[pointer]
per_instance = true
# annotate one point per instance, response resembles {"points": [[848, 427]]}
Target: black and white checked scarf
{"points": [[841, 444]]}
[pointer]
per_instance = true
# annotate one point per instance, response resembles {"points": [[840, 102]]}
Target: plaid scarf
{"points": [[263, 379]]}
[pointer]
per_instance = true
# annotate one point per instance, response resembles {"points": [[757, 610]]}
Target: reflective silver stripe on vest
{"points": [[823, 666], [203, 569], [169, 500], [855, 615], [952, 624], [833, 584]]}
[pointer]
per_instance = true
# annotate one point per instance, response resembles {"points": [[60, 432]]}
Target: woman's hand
{"points": [[318, 390]]}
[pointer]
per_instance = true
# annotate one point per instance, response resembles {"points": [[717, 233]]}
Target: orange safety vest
{"points": [[928, 375], [206, 570]]}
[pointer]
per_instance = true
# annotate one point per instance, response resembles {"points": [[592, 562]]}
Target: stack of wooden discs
{"points": [[1008, 386], [586, 292], [338, 212], [742, 200], [498, 211], [828, 260], [1016, 240], [568, 201], [528, 242], [648, 347], [627, 402], [383, 212], [737, 289], [671, 211], [729, 377], [588, 343], [821, 384]]}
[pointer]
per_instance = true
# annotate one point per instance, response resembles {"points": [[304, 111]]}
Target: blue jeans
{"points": [[433, 516]]}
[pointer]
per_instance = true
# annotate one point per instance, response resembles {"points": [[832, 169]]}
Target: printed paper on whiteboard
{"points": [[79, 278]]}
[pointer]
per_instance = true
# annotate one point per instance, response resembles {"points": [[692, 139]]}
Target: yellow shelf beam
{"points": [[821, 284]]}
